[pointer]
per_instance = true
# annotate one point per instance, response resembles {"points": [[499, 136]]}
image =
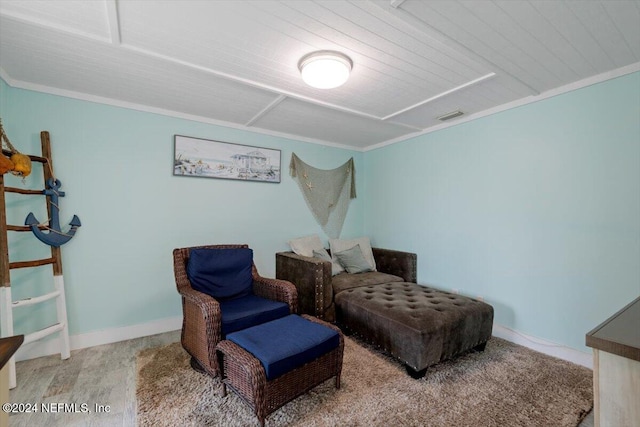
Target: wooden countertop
{"points": [[8, 346], [619, 334]]}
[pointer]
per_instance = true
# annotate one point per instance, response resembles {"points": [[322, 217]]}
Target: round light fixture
{"points": [[325, 69]]}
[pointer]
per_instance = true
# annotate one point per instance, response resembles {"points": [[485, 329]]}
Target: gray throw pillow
{"points": [[339, 245], [353, 260], [324, 255]]}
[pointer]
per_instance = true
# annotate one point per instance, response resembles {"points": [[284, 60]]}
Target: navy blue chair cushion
{"points": [[250, 310], [221, 273], [286, 343]]}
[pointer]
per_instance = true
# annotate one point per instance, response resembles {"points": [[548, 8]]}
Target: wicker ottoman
{"points": [[418, 325], [271, 364]]}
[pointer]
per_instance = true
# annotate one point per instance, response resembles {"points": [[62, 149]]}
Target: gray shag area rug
{"points": [[506, 385]]}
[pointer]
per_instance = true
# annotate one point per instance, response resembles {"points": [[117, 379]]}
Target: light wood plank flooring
{"points": [[104, 375]]}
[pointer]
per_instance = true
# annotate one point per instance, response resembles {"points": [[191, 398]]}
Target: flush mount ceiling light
{"points": [[325, 69]]}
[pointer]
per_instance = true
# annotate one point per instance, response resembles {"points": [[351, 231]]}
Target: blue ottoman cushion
{"points": [[245, 312], [286, 343]]}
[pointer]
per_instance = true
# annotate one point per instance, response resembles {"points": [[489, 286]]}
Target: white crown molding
{"points": [[4, 76], [589, 81], [147, 109], [108, 336], [632, 68], [114, 39]]}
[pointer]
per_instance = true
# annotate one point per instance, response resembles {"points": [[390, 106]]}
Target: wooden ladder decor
{"points": [[7, 305]]}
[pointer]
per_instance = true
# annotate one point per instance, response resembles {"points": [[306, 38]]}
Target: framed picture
{"points": [[216, 159]]}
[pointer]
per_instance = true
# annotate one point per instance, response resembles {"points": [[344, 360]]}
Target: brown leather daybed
{"points": [[416, 324]]}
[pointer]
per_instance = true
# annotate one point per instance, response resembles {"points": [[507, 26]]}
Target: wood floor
{"points": [[102, 375]]}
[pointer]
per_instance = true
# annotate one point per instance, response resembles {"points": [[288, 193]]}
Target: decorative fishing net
{"points": [[327, 192]]}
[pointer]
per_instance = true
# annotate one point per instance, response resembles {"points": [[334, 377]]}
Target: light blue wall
{"points": [[537, 208], [116, 168], [3, 91]]}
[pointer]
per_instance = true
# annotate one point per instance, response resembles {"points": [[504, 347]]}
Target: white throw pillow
{"points": [[337, 245], [305, 246]]}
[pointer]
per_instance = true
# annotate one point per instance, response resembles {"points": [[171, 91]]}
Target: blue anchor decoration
{"points": [[55, 237]]}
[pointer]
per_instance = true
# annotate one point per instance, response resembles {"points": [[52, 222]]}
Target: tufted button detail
{"points": [[423, 311]]}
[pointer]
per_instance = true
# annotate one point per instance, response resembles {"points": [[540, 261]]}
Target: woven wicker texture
{"points": [[202, 319], [245, 375]]}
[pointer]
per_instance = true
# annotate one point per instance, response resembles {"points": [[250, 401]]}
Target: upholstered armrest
{"points": [[277, 290], [398, 263], [311, 277], [201, 325]]}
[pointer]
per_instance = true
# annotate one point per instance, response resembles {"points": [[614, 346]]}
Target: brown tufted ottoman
{"points": [[418, 325]]}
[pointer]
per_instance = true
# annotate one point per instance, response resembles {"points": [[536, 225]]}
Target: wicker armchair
{"points": [[202, 316]]}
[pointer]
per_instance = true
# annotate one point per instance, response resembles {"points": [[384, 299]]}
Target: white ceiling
{"points": [[235, 62]]}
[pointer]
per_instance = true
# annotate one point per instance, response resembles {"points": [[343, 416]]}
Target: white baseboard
{"points": [[105, 336], [108, 336], [543, 346]]}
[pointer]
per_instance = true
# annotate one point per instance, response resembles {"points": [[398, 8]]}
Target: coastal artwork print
{"points": [[216, 159]]}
